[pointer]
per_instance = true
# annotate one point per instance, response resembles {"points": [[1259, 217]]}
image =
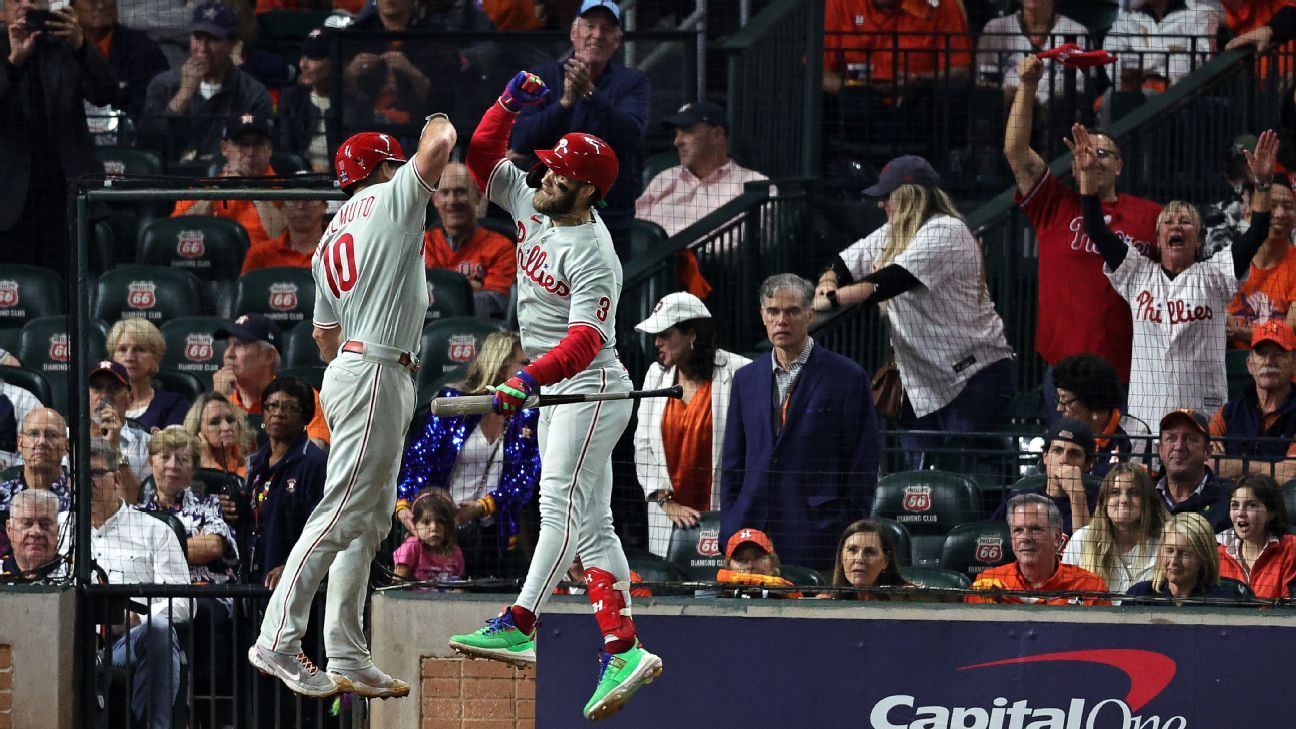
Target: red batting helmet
{"points": [[360, 155], [583, 157]]}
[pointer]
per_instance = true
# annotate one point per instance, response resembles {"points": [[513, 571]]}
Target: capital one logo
{"points": [[189, 244], [463, 348], [8, 294], [1148, 673], [283, 296], [141, 295], [708, 544], [989, 549], [917, 498], [198, 347]]}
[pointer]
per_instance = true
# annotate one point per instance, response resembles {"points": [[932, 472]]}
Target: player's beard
{"points": [[560, 204]]}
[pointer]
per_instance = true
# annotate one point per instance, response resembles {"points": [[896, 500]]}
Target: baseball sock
{"points": [[524, 619], [610, 609]]}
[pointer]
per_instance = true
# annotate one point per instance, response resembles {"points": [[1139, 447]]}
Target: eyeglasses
{"points": [[98, 473], [46, 434], [1065, 404], [284, 407], [1106, 153]]}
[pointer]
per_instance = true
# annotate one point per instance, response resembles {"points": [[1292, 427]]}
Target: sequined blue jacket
{"points": [[431, 457]]}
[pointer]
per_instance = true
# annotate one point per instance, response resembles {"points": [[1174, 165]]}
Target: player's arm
{"points": [[329, 341], [1026, 164], [436, 141], [489, 144]]}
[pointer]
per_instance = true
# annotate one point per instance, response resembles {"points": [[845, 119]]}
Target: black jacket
{"points": [[64, 79], [135, 59]]}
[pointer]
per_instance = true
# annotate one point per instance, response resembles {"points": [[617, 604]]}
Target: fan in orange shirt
{"points": [[880, 42], [305, 219], [1035, 526], [246, 146], [486, 258]]}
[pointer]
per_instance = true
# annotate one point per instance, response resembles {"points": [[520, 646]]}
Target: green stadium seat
{"points": [[802, 576], [900, 540], [1235, 369], [935, 578], [46, 348], [655, 569], [929, 504], [156, 293], [10, 340], [646, 237], [450, 294], [193, 348], [697, 551], [657, 164], [991, 460], [285, 294], [1241, 590], [210, 247], [185, 384], [299, 347], [972, 548], [119, 161], [30, 380], [450, 343], [1096, 15], [28, 292], [313, 375]]}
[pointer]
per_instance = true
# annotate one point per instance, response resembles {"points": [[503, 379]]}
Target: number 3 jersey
{"points": [[368, 267], [565, 274]]}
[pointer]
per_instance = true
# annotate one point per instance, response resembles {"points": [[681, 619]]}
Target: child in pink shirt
{"points": [[431, 553]]}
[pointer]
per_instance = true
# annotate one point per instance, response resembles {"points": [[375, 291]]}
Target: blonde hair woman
{"points": [[924, 267], [1188, 566], [225, 439], [489, 465], [139, 347], [1123, 537]]}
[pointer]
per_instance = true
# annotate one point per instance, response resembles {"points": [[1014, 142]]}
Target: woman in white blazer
{"points": [[678, 479]]}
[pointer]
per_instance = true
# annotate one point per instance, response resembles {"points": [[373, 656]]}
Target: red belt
{"points": [[404, 360]]}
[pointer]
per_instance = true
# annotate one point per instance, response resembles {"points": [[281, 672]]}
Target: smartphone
{"points": [[36, 19]]}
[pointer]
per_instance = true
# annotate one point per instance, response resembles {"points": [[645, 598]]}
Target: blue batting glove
{"points": [[525, 89], [511, 396]]}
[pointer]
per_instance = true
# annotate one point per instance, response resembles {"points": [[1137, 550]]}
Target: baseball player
{"points": [[369, 307], [569, 281]]}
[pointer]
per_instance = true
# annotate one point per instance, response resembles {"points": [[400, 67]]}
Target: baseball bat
{"points": [[479, 404]]}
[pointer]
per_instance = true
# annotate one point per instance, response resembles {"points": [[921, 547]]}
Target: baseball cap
{"points": [[671, 310], [1074, 431], [252, 328], [215, 18], [246, 122], [1195, 418], [315, 45], [607, 5], [742, 536], [1278, 332], [116, 369], [695, 112], [907, 170]]}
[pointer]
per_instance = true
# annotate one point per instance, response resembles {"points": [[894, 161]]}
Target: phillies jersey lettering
{"points": [[566, 274], [368, 267], [1080, 239]]}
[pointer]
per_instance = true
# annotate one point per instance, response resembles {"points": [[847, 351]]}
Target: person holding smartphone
{"points": [[44, 140]]}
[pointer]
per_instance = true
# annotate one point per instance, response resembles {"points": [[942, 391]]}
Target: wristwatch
{"points": [[665, 498]]}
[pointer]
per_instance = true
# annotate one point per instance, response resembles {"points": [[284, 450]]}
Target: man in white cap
{"points": [[678, 443]]}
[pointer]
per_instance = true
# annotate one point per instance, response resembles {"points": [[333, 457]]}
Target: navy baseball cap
{"points": [[252, 328], [907, 170], [315, 45], [698, 112], [215, 18], [116, 369], [607, 5], [246, 122], [1074, 431]]}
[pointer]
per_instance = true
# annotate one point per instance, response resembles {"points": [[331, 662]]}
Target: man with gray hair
{"points": [[801, 445], [33, 532], [1035, 527]]}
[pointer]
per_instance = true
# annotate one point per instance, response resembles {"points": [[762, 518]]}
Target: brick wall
{"points": [[463, 694], [6, 687]]}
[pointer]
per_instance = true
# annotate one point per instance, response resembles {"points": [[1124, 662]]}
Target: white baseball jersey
{"points": [[368, 267], [1179, 341], [947, 330], [566, 274]]}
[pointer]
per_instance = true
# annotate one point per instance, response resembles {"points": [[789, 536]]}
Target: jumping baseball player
{"points": [[369, 307], [569, 280]]}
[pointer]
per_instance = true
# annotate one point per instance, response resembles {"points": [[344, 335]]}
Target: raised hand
{"points": [[524, 89], [1261, 162], [1082, 148], [1030, 69]]}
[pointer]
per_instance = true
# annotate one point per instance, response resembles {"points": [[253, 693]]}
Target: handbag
{"points": [[888, 390]]}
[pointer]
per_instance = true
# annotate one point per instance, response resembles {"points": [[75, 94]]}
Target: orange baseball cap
{"points": [[742, 536], [1278, 332]]}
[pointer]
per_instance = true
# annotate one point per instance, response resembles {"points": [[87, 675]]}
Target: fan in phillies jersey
{"points": [[1178, 305], [569, 281], [369, 308], [1078, 311]]}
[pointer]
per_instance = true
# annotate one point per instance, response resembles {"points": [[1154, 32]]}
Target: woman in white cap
{"points": [[678, 442], [924, 267]]}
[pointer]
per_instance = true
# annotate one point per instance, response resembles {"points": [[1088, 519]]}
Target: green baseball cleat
{"points": [[620, 676], [500, 640]]}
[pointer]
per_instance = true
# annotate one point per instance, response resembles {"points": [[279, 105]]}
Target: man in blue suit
{"points": [[801, 447]]}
